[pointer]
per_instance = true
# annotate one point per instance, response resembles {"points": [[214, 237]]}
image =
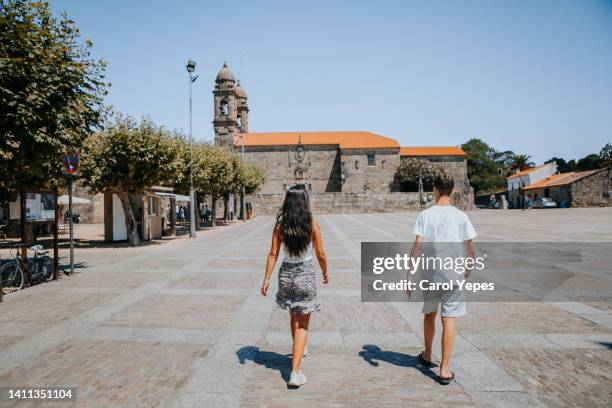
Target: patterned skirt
{"points": [[297, 289]]}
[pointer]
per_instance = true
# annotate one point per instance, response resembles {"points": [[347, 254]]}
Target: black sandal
{"points": [[424, 362], [446, 380]]}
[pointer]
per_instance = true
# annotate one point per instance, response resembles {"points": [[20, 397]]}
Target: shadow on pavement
{"points": [[373, 355], [268, 359], [78, 265]]}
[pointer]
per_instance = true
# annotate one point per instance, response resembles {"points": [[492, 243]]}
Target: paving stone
{"points": [[123, 373], [561, 377], [485, 340], [184, 323], [504, 399]]}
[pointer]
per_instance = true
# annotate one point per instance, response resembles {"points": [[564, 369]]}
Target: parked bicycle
{"points": [[39, 268]]}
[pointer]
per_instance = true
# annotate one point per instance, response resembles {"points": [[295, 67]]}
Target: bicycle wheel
{"points": [[12, 277], [45, 265]]}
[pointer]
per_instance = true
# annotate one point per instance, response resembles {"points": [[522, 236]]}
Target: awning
{"points": [[63, 200], [177, 197]]}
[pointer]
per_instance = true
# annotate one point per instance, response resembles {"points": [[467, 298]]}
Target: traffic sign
{"points": [[71, 160]]}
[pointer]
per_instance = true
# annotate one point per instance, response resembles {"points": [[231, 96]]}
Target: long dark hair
{"points": [[295, 220]]}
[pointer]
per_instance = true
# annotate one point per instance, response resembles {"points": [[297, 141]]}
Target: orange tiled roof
{"points": [[432, 151], [529, 170], [344, 139], [561, 179]]}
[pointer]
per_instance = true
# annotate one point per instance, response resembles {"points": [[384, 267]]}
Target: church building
{"points": [[344, 171]]}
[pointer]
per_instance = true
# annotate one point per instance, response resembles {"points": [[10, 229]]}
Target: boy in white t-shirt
{"points": [[446, 224]]}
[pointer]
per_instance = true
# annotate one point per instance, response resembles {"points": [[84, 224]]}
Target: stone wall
{"points": [[330, 203], [359, 176], [319, 170], [592, 191]]}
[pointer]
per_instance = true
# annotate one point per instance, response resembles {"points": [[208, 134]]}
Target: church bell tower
{"points": [[231, 108]]}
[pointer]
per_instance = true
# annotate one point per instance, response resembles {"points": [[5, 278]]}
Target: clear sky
{"points": [[531, 76]]}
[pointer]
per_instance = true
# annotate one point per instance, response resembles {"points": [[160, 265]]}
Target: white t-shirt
{"points": [[444, 223], [443, 228]]}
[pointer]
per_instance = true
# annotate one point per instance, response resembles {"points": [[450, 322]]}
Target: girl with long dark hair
{"points": [[298, 234]]}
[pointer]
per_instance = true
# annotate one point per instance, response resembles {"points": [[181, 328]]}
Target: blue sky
{"points": [[530, 76]]}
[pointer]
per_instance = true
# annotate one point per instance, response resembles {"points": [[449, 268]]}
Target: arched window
{"points": [[224, 108], [299, 174], [239, 122]]}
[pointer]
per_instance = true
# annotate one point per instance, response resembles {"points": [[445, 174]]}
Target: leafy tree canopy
{"points": [[51, 92], [411, 169], [486, 166], [125, 159], [128, 157]]}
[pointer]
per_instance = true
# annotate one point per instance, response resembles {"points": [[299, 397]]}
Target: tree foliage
{"points": [[411, 169], [486, 166], [125, 159], [51, 92], [217, 172], [521, 162], [589, 162], [252, 177], [605, 156]]}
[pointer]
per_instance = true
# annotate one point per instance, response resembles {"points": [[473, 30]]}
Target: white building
{"points": [[521, 179]]}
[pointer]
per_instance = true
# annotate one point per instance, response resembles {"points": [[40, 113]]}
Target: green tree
{"points": [[51, 92], [125, 159], [253, 177], [562, 165], [589, 162], [217, 173], [605, 156], [486, 169], [521, 162], [410, 169]]}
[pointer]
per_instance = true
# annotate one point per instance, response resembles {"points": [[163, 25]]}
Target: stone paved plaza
{"points": [[183, 325]]}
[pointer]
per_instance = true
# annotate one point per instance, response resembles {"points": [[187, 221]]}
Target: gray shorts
{"points": [[452, 304]]}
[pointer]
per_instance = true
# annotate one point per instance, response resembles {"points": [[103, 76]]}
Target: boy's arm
{"points": [[470, 253], [416, 247], [414, 253]]}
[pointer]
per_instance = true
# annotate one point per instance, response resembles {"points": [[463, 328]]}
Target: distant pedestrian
{"points": [[205, 213], [181, 214], [298, 234]]}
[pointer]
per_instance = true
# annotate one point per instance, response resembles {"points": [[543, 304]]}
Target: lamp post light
{"points": [[192, 228]]}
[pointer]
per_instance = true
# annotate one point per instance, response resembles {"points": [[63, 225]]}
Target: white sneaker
{"points": [[297, 379]]}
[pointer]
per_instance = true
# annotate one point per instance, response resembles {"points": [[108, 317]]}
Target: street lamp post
{"points": [[192, 228], [244, 215]]}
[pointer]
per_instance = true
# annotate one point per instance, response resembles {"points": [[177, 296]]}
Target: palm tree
{"points": [[522, 162]]}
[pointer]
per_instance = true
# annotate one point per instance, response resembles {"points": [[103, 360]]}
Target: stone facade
{"points": [[592, 191], [343, 171], [338, 202], [373, 174], [331, 203], [319, 170]]}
